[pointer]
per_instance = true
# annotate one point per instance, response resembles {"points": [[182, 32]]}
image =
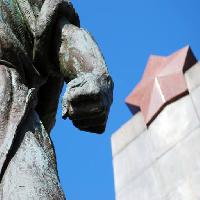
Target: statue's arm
{"points": [[89, 93]]}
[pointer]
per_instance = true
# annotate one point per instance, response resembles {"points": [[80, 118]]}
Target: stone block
{"points": [[195, 95], [162, 162], [174, 123], [128, 132], [182, 192], [133, 160], [147, 186], [179, 169], [192, 77], [174, 176]]}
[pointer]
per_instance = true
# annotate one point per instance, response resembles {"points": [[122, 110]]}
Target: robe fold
{"points": [[30, 85]]}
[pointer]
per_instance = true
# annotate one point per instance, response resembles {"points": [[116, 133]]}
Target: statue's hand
{"points": [[87, 102]]}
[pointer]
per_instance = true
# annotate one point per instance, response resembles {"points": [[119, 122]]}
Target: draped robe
{"points": [[30, 85]]}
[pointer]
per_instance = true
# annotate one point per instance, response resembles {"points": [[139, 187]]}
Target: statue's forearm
{"points": [[77, 51], [89, 94]]}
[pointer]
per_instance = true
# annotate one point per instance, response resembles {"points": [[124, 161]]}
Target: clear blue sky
{"points": [[127, 32]]}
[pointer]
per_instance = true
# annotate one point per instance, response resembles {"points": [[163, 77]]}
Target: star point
{"points": [[163, 81]]}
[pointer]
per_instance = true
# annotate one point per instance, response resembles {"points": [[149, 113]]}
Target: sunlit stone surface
{"points": [[161, 161]]}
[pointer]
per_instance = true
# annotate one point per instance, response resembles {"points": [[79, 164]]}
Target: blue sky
{"points": [[127, 32]]}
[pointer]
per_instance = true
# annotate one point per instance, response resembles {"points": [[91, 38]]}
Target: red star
{"points": [[163, 82]]}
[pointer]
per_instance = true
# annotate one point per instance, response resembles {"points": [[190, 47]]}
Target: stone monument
{"points": [[156, 153], [41, 47]]}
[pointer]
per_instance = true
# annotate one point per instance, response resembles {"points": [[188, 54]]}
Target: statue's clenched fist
{"points": [[89, 93], [87, 101]]}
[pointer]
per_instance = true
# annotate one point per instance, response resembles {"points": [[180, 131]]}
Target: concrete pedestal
{"points": [[162, 161]]}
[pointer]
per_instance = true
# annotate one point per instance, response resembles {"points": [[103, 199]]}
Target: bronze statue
{"points": [[41, 47]]}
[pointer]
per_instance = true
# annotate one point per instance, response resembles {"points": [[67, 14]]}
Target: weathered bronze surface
{"points": [[41, 47]]}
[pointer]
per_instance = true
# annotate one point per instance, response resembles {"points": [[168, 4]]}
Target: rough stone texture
{"points": [[32, 172], [27, 163], [162, 163], [32, 72], [14, 100]]}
